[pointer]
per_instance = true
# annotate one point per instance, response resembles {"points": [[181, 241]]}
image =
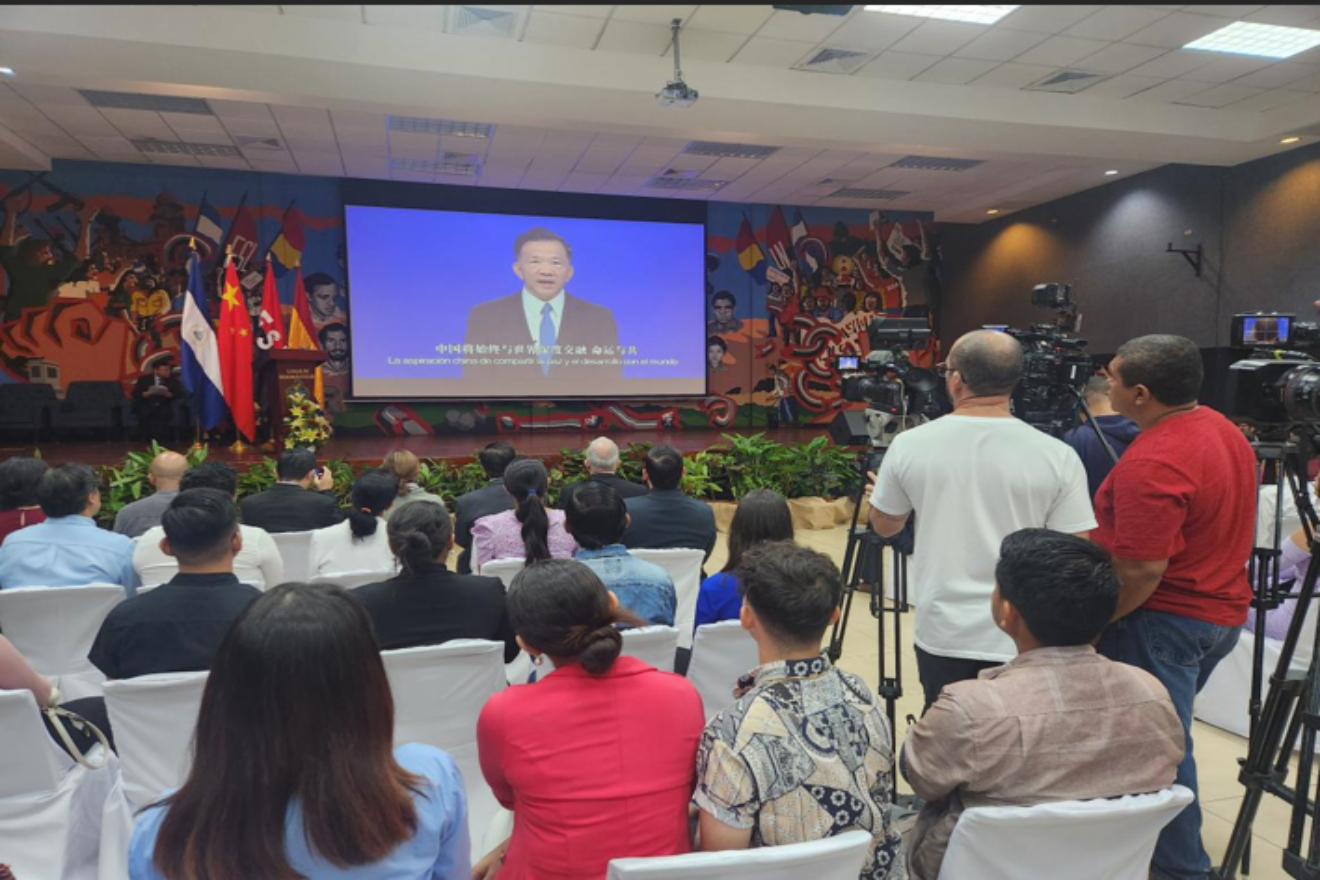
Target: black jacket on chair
{"points": [[625, 488], [287, 507], [492, 498], [665, 519]]}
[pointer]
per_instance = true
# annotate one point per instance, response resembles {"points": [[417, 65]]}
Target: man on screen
{"points": [[534, 333]]}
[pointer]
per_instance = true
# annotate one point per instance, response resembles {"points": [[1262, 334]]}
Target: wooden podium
{"points": [[282, 369]]}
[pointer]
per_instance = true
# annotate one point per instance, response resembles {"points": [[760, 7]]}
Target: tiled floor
{"points": [[1217, 752]]}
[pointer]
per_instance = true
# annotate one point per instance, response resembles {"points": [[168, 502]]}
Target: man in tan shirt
{"points": [[1059, 722]]}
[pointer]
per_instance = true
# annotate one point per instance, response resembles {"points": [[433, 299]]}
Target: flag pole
{"points": [[197, 445]]}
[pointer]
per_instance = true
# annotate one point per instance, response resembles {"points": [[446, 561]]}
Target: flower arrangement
{"points": [[305, 425]]}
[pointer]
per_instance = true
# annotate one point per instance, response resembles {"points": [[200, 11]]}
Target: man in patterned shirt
{"points": [[805, 751]]}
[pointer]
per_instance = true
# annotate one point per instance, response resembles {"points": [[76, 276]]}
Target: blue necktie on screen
{"points": [[547, 342]]}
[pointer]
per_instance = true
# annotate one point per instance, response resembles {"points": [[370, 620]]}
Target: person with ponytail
{"points": [[598, 738], [426, 603], [295, 772], [359, 543], [531, 531]]}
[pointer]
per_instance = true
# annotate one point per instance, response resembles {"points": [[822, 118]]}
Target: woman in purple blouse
{"points": [[531, 530]]}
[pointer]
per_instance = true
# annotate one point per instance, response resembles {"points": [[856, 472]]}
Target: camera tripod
{"points": [[1292, 707], [863, 569]]}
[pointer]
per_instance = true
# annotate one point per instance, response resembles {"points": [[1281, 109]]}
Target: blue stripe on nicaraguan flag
{"points": [[201, 352]]}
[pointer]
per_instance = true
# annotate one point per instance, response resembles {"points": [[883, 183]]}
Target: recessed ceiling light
{"points": [[6, 71], [1291, 139], [973, 14], [993, 211], [1261, 40], [1111, 172]]}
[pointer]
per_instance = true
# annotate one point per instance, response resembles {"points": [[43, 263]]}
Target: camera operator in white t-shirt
{"points": [[973, 477]]}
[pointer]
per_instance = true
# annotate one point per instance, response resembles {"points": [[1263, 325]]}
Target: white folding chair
{"points": [[652, 644], [1097, 839], [684, 567], [50, 808], [504, 569], [833, 858], [54, 627], [439, 691], [721, 654], [153, 717], [352, 579], [296, 551]]}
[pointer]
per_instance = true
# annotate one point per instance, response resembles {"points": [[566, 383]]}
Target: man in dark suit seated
{"points": [[546, 341], [289, 506], [665, 518], [491, 498], [602, 462], [153, 399]]}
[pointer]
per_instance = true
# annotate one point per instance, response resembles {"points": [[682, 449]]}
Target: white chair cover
{"points": [[50, 808], [351, 579], [721, 654], [54, 627], [439, 691], [153, 717], [1223, 701], [504, 569], [1096, 840], [684, 566], [296, 552], [834, 858], [652, 644]]}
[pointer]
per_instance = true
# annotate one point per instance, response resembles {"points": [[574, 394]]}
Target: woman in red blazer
{"points": [[596, 760]]}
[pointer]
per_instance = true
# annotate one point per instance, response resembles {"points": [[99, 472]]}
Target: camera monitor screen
{"points": [[848, 362], [457, 304], [1249, 330]]}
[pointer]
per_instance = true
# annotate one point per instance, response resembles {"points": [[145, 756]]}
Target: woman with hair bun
{"points": [[426, 603], [359, 543], [531, 530], [596, 760]]}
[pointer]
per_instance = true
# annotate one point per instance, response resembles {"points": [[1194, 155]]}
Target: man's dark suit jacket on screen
{"points": [[286, 507], [504, 322], [492, 498], [666, 520]]}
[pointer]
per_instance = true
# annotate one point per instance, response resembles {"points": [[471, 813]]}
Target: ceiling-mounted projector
{"points": [[677, 93]]}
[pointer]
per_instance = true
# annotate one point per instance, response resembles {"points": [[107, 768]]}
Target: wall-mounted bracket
{"points": [[1194, 258]]}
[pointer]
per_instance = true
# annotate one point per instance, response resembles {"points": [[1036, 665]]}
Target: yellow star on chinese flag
{"points": [[231, 296]]}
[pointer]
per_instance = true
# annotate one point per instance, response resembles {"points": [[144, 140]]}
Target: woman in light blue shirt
{"points": [[294, 774]]}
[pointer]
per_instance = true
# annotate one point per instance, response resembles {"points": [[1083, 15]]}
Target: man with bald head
{"points": [[167, 469], [972, 478], [602, 462]]}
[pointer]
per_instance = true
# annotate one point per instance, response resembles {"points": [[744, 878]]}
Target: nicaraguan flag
{"points": [[209, 223], [201, 352]]}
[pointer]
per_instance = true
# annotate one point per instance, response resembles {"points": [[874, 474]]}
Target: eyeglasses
{"points": [[942, 369]]}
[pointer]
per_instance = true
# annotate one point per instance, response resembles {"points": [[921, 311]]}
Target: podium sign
{"points": [[282, 370]]}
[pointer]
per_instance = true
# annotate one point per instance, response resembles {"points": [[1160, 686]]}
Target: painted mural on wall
{"points": [[94, 255]]}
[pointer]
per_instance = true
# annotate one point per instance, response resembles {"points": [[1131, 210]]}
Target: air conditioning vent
{"points": [[440, 126], [1068, 82], [684, 183], [500, 22], [855, 192], [434, 166], [841, 61], [729, 151], [179, 148], [247, 142], [936, 163], [136, 101]]}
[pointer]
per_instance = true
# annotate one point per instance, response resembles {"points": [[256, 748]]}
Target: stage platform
{"points": [[360, 451]]}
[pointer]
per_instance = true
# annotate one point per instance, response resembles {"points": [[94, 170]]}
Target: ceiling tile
{"points": [[938, 38], [1119, 57], [202, 136], [1045, 19], [727, 19], [1279, 75], [766, 52], [898, 65], [1310, 84], [1225, 11], [583, 182], [363, 155], [709, 45], [955, 71], [79, 120], [138, 123], [346, 135], [27, 120], [786, 25], [634, 37], [652, 14], [429, 18], [573, 31], [1176, 30], [1014, 76], [1176, 63], [1116, 22], [1291, 16], [194, 121], [873, 31], [1122, 86], [1222, 70], [239, 110], [998, 44], [1269, 100], [601, 11], [1170, 91], [1220, 96], [44, 95], [1060, 51], [341, 13], [343, 119]]}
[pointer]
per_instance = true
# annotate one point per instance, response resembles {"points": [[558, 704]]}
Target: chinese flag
{"points": [[236, 353], [301, 336]]}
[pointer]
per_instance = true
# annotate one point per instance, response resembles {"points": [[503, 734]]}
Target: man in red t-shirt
{"points": [[1178, 515]]}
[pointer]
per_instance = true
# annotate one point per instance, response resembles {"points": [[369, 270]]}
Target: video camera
{"points": [[1274, 387], [897, 394], [1055, 367]]}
